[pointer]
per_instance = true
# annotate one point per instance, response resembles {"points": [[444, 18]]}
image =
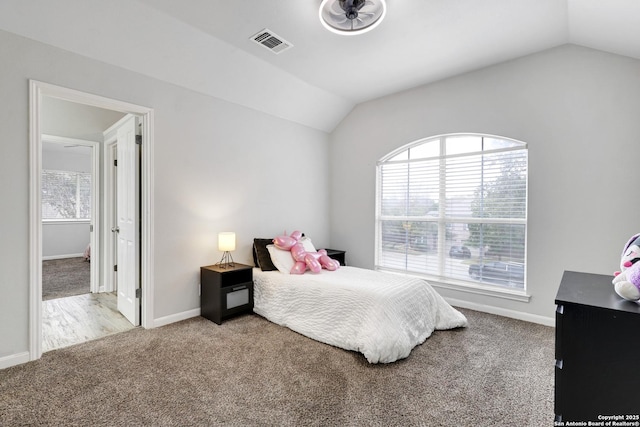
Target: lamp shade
{"points": [[227, 241]]}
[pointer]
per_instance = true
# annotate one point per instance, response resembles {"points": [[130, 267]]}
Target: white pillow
{"points": [[307, 244], [283, 260]]}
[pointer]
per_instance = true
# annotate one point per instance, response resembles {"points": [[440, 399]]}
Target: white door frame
{"points": [[110, 141], [36, 91], [127, 218], [108, 244], [94, 235]]}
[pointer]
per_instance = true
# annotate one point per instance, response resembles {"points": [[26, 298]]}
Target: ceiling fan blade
{"points": [[341, 20], [370, 7], [335, 8]]}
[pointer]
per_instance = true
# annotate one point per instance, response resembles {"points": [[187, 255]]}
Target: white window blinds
{"points": [[66, 195], [455, 207]]}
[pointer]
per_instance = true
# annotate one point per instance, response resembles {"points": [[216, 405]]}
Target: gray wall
{"points": [[218, 167], [577, 109]]}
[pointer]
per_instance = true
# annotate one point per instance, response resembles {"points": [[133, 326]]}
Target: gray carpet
{"points": [[65, 277], [250, 372]]}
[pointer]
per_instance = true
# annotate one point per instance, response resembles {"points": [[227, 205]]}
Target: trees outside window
{"points": [[66, 195]]}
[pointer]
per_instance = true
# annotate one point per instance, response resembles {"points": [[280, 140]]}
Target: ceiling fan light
{"points": [[337, 19]]}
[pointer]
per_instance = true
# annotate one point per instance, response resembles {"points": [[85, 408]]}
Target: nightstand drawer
{"points": [[236, 299]]}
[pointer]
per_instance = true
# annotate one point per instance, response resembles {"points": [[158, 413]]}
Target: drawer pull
{"points": [[559, 363], [560, 309]]}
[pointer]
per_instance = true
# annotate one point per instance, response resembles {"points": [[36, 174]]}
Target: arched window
{"points": [[454, 209]]}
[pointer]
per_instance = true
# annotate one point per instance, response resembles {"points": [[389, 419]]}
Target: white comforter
{"points": [[381, 315]]}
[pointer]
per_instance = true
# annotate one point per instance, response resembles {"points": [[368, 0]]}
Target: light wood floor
{"points": [[80, 318]]}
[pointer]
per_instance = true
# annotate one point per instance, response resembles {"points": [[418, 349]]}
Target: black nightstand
{"points": [[337, 255], [225, 292]]}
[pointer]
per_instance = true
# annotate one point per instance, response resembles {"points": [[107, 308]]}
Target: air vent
{"points": [[271, 41]]}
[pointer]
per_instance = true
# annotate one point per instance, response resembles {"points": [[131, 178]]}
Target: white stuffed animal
{"points": [[627, 280]]}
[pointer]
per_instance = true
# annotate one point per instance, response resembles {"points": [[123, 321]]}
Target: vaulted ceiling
{"points": [[205, 45]]}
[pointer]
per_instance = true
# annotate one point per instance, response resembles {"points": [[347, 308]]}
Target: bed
{"points": [[381, 315]]}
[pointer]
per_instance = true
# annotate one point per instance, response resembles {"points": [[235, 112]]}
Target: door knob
{"points": [[115, 229]]}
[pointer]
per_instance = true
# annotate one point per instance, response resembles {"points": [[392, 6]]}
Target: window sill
{"points": [[473, 288], [66, 221]]}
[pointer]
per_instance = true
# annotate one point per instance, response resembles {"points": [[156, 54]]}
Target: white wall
{"points": [[218, 167], [64, 240], [577, 108]]}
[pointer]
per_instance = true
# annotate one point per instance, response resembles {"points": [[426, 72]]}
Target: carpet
{"points": [[251, 372], [65, 277]]}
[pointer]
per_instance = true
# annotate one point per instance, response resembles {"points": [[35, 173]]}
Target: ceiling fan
{"points": [[350, 17]]}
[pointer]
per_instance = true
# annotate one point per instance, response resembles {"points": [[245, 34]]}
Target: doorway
{"points": [[70, 182], [38, 92], [77, 306]]}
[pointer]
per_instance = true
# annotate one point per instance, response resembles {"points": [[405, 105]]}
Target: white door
{"points": [[127, 223]]}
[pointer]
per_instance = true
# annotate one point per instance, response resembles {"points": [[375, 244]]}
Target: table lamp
{"points": [[226, 244]]}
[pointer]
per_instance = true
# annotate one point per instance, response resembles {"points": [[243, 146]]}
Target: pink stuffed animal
{"points": [[315, 261], [627, 281]]}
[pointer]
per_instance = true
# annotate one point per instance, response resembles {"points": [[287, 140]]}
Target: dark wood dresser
{"points": [[597, 351]]}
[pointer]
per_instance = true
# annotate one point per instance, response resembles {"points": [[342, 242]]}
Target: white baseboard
{"points": [[14, 359], [528, 317], [50, 257], [162, 321]]}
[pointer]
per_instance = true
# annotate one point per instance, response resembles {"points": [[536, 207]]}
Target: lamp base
{"points": [[226, 261]]}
